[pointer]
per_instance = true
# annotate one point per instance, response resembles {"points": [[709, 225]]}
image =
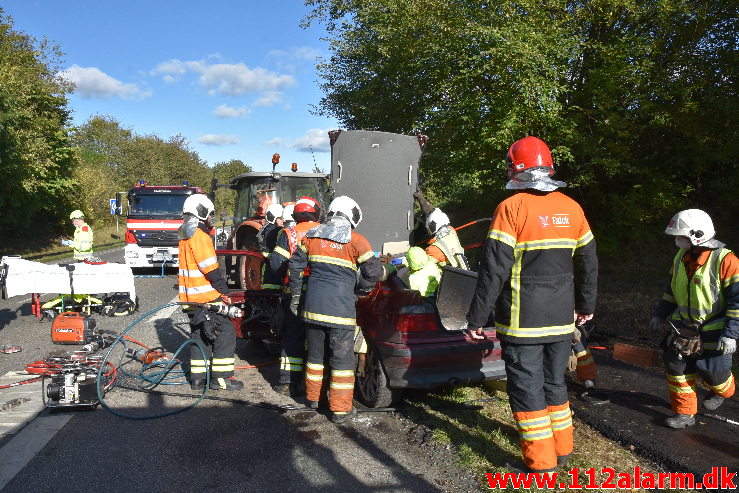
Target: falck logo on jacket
{"points": [[556, 220]]}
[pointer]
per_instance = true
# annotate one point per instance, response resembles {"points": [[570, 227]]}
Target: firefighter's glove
{"points": [[727, 345], [209, 328], [66, 242], [294, 303], [654, 323]]}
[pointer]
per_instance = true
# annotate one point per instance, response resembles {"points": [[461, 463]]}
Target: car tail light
{"points": [[415, 319], [130, 238]]}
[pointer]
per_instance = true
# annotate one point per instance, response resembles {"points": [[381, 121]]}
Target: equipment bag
{"points": [[686, 341]]}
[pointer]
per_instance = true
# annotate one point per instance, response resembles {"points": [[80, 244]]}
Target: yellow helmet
{"points": [[77, 214]]}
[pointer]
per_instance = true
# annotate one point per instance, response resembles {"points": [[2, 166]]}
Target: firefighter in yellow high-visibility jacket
{"points": [[82, 242], [201, 281]]}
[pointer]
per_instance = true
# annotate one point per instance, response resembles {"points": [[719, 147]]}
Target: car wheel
{"points": [[372, 384]]}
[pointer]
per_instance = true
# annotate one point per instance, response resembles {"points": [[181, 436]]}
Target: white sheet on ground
{"points": [[25, 277]]}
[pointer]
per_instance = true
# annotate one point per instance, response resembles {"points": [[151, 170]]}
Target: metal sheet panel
{"points": [[454, 296], [379, 170]]}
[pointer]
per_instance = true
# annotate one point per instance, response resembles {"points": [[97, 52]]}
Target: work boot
{"points": [[713, 402], [197, 384], [563, 460], [282, 388], [229, 383], [297, 389], [311, 404], [680, 421], [339, 417]]}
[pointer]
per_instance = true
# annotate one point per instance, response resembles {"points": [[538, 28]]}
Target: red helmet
{"points": [[527, 153], [306, 204]]}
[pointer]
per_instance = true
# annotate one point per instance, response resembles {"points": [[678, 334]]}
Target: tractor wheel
{"points": [[372, 384], [250, 272]]}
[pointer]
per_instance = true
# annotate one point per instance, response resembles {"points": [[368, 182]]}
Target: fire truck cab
{"points": [[153, 215]]}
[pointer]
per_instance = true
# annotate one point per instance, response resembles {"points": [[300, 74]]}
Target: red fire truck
{"points": [[153, 214]]}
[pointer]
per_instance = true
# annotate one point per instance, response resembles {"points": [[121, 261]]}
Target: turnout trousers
{"points": [[585, 369], [219, 353], [538, 397], [712, 367], [330, 350], [292, 353]]}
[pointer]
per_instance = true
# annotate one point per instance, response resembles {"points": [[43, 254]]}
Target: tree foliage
{"points": [[225, 200], [36, 158], [637, 99]]}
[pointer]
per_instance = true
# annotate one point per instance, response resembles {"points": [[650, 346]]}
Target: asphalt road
{"points": [[235, 442]]}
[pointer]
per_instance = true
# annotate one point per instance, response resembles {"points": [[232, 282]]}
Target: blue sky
{"points": [[235, 78]]}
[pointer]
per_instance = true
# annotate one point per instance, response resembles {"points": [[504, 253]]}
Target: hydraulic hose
{"points": [[152, 380]]}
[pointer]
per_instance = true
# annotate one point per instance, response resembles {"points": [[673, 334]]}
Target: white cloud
{"points": [[269, 98], [290, 60], [226, 111], [315, 139], [276, 142], [218, 140], [228, 79], [92, 83]]}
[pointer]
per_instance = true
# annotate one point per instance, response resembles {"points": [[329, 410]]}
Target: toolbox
{"points": [[72, 328]]}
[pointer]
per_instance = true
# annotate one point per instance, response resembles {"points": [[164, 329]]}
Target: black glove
{"points": [[294, 303], [209, 328]]}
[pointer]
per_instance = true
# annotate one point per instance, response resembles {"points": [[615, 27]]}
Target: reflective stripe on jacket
{"points": [[197, 257], [704, 289], [539, 266], [329, 297], [82, 243]]}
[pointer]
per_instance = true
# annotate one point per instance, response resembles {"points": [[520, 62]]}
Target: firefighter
{"points": [[306, 212], [334, 252], [702, 297], [82, 243], [539, 268], [267, 238], [201, 281], [445, 247]]}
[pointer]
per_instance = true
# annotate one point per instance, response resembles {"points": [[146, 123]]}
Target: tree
{"points": [[637, 99], [36, 157], [225, 200]]}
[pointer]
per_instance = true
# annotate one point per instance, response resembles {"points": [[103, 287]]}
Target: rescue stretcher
{"points": [[75, 284]]}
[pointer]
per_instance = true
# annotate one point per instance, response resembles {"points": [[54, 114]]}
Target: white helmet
{"points": [[274, 212], [436, 220], [199, 206], [694, 224], [287, 213], [347, 207]]}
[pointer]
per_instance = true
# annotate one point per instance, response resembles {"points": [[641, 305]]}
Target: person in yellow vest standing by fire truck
{"points": [[201, 281], [82, 242]]}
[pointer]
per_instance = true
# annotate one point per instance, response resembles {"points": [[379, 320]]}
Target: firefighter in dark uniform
{"points": [[201, 281], [306, 213], [267, 238], [539, 273], [702, 297], [334, 252]]}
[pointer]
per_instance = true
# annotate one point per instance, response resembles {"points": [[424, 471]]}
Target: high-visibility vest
{"points": [[82, 243], [699, 298], [197, 257]]}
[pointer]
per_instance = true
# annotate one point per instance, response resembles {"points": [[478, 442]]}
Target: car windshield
{"points": [[156, 204], [256, 194]]}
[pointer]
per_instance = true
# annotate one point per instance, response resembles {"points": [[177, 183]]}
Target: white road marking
{"points": [[25, 445]]}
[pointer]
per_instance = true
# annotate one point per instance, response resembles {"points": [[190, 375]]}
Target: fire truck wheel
{"points": [[372, 384]]}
